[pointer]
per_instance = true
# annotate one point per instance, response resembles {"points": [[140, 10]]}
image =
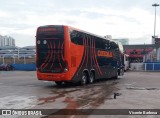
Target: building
{"points": [[153, 39], [6, 41], [123, 41], [140, 53]]}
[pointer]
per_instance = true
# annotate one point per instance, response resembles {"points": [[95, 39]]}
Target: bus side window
{"points": [[114, 46], [100, 44], [107, 45], [76, 37]]}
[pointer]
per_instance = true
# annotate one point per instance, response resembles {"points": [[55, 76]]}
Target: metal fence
{"points": [[152, 66]]}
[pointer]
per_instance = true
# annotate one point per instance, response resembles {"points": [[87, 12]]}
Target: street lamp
{"points": [[155, 5]]}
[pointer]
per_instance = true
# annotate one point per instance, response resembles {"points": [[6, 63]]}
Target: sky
{"points": [[132, 19]]}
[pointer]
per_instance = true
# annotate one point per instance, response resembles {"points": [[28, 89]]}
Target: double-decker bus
{"points": [[66, 54]]}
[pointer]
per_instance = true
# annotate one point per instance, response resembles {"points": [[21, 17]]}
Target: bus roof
{"points": [[90, 33], [78, 30]]}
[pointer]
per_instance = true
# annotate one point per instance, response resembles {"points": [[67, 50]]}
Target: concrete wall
{"points": [[137, 66], [147, 66]]}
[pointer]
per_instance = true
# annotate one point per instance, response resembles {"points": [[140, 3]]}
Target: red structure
{"points": [[137, 52]]}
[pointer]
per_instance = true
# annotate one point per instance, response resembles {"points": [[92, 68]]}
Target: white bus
{"points": [[126, 62]]}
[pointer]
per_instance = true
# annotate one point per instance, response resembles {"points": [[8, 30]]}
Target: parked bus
{"points": [[126, 62], [66, 54], [121, 62]]}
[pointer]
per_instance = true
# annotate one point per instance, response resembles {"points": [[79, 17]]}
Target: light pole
{"points": [[18, 53], [155, 5]]}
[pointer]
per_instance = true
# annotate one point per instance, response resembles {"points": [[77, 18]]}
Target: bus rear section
{"points": [[51, 62]]}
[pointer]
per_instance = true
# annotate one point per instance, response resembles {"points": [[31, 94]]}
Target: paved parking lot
{"points": [[135, 90]]}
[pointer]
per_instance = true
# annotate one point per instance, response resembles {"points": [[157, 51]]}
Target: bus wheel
{"points": [[91, 78], [58, 83], [84, 79]]}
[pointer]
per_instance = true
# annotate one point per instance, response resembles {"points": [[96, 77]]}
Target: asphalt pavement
{"points": [[134, 90]]}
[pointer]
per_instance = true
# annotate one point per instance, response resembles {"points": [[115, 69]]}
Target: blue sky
{"points": [[120, 18]]}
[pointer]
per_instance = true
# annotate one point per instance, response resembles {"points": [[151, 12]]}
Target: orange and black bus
{"points": [[66, 54]]}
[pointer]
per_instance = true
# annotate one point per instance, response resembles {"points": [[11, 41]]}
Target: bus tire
{"points": [[91, 78], [84, 79], [59, 83]]}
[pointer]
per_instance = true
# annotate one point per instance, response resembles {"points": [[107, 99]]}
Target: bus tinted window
{"points": [[101, 43], [107, 45], [76, 37], [113, 45]]}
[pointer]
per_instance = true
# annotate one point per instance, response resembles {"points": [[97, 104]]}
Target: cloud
{"points": [[23, 39], [123, 18]]}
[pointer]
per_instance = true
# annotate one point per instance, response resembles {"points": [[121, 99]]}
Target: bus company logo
{"points": [[105, 54], [6, 112]]}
